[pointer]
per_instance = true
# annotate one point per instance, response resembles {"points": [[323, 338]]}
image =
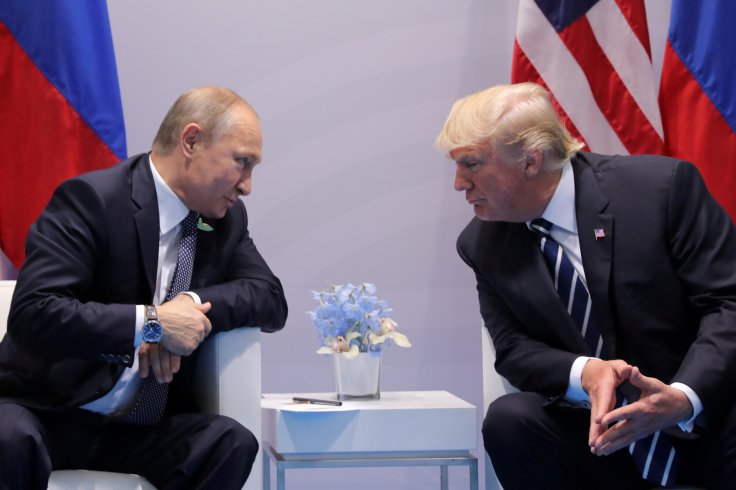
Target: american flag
{"points": [[595, 59]]}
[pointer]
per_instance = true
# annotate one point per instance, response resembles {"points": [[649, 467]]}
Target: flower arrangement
{"points": [[351, 319]]}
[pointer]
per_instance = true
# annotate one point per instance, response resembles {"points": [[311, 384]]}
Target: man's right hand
{"points": [[184, 323], [600, 380]]}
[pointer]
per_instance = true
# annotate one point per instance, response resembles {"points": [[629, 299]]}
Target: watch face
{"points": [[152, 332]]}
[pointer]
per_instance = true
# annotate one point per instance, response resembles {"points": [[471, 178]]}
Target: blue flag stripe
{"points": [[71, 44]]}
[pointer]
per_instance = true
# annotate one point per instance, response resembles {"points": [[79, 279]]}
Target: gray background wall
{"points": [[351, 95]]}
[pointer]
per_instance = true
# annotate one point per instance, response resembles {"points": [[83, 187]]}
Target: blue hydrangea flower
{"points": [[351, 319]]}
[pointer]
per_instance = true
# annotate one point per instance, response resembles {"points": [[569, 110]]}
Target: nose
{"points": [[245, 185], [461, 181]]}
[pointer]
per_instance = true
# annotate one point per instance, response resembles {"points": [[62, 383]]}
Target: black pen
{"points": [[316, 401]]}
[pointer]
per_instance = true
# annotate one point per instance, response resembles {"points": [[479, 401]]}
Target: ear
{"points": [[533, 163], [191, 135]]}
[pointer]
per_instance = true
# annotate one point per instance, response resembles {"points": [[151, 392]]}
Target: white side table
{"points": [[403, 428]]}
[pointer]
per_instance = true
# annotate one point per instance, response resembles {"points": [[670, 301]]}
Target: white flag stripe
{"points": [[628, 57], [565, 79]]}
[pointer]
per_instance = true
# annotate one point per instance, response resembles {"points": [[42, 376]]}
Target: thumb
{"points": [[204, 307], [640, 381]]}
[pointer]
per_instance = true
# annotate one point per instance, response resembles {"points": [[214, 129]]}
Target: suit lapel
{"points": [[596, 251], [143, 194]]}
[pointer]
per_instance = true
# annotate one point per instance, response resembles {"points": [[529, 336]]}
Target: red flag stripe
{"points": [[636, 16], [523, 71], [599, 70], [611, 94], [629, 57], [564, 77]]}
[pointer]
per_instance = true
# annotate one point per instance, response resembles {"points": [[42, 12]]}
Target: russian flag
{"points": [[698, 92], [60, 108]]}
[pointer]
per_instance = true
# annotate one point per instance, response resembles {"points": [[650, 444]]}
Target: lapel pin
{"points": [[599, 233]]}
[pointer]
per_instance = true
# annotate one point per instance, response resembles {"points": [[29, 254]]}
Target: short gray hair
{"points": [[209, 107]]}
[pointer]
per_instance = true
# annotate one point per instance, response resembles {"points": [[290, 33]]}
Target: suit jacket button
{"points": [[126, 358]]}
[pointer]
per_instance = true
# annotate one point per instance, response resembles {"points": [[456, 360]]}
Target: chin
{"points": [[483, 214]]}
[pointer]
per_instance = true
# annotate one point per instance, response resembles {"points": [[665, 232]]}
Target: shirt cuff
{"points": [[139, 319], [575, 393], [194, 296], [687, 425]]}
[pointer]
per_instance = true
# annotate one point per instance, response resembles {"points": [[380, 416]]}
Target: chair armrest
{"points": [[228, 382]]}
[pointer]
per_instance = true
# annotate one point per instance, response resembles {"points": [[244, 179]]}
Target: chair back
{"points": [[6, 294]]}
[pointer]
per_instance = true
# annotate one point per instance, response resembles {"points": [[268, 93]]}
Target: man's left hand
{"points": [[659, 406]]}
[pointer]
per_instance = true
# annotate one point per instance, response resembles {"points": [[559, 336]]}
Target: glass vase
{"points": [[358, 378]]}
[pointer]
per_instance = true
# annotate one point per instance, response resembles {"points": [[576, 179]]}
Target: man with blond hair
{"points": [[128, 271], [608, 285]]}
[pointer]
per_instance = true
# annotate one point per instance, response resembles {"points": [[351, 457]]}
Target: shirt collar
{"points": [[171, 210], [560, 210]]}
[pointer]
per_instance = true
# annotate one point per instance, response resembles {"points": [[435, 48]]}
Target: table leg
{"points": [[444, 479], [280, 476], [473, 468], [266, 470]]}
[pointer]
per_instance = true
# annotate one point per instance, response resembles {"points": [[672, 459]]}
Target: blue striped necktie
{"points": [[570, 287], [654, 455], [151, 404]]}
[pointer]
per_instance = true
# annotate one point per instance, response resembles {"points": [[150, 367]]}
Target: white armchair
{"points": [[228, 382], [494, 385]]}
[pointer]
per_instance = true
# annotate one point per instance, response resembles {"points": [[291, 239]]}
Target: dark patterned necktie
{"points": [[654, 455], [152, 397]]}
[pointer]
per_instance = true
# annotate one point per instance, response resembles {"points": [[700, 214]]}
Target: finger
{"points": [[165, 362], [596, 431], [627, 412], [175, 361], [644, 383], [143, 364], [619, 436], [154, 361], [207, 327], [204, 307], [610, 435]]}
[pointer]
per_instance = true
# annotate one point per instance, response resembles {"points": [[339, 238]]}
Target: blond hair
{"points": [[516, 120], [209, 107]]}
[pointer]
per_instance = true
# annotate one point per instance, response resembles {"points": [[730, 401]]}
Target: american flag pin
{"points": [[599, 233]]}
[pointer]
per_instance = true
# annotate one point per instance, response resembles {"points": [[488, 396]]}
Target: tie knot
{"points": [[189, 222], [540, 227]]}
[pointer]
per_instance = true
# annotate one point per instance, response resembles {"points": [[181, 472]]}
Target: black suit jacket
{"points": [[662, 281], [90, 258]]}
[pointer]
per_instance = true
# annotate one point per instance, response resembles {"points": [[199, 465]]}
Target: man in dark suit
{"points": [[649, 308], [96, 332]]}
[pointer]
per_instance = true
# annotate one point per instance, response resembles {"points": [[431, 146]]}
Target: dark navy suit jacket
{"points": [[90, 258], [662, 280]]}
